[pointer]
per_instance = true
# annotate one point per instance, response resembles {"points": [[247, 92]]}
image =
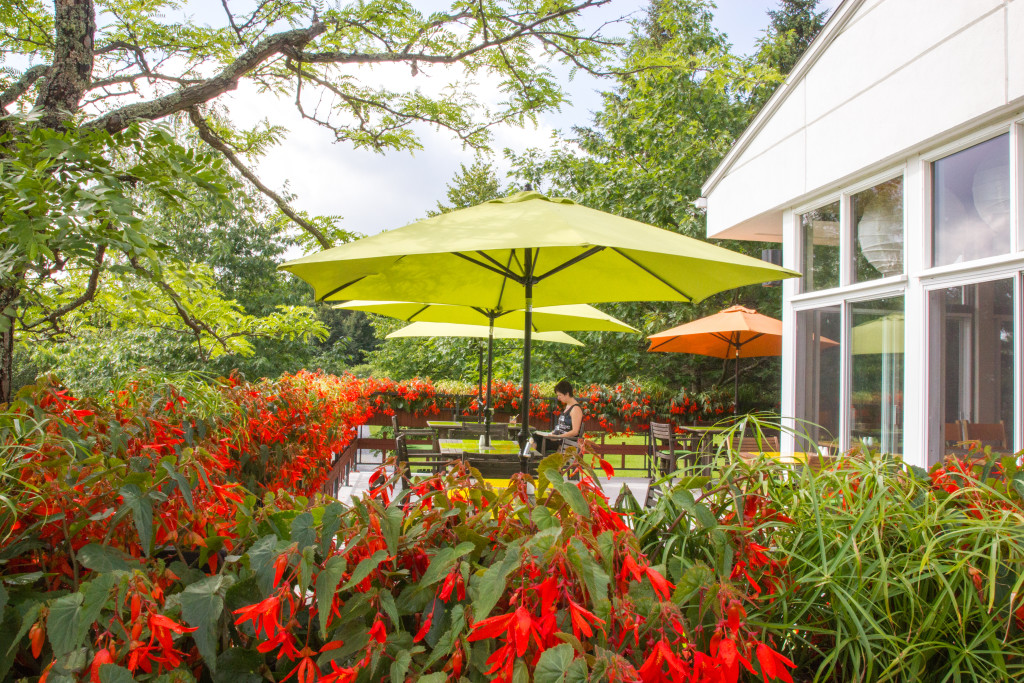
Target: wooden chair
{"points": [[750, 448], [416, 433], [664, 448], [661, 449], [495, 465], [432, 461], [987, 434], [953, 432]]}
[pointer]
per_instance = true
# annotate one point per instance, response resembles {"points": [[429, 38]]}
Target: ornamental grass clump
{"points": [[864, 570]]}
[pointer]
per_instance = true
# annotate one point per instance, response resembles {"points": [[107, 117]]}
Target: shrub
{"points": [[863, 571], [140, 557]]}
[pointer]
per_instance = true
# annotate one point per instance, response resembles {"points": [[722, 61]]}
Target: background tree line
{"points": [[171, 263]]}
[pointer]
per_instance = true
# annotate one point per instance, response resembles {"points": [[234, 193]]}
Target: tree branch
{"points": [[119, 119], [197, 326], [211, 138], [90, 291], [21, 86]]}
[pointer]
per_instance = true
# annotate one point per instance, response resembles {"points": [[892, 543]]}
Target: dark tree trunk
{"points": [[7, 299], [71, 72]]}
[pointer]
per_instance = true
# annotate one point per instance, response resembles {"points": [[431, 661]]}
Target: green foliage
{"points": [[864, 570], [682, 101], [793, 26], [96, 200], [472, 185]]}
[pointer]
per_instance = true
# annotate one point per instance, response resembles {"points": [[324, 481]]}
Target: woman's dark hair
{"points": [[564, 387]]}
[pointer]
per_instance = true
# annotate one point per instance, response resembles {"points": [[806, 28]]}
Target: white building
{"points": [[891, 167]]}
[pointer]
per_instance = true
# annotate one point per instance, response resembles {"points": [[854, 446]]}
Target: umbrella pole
{"points": [[524, 432], [490, 371], [480, 379], [736, 387]]}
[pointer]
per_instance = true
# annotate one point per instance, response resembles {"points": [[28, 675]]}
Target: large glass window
{"points": [[971, 370], [876, 369], [818, 378], [878, 231], [820, 231], [971, 203]]}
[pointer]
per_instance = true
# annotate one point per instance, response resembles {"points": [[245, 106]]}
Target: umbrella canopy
{"points": [[425, 329], [568, 252], [528, 250], [544, 319], [737, 332], [881, 335]]}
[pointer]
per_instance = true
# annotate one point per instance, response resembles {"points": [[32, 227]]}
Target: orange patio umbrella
{"points": [[737, 332]]}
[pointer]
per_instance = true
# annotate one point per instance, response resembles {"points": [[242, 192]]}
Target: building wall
{"points": [[885, 79]]}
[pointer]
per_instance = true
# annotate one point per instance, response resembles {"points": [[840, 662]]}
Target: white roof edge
{"points": [[832, 27]]}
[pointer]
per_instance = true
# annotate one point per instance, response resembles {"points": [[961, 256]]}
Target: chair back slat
{"points": [[989, 434]]}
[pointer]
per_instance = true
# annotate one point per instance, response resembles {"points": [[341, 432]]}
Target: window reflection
{"points": [[878, 231], [876, 368], [818, 389], [971, 203], [971, 367], [820, 234]]}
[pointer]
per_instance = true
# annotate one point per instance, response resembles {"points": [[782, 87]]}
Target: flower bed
{"points": [[131, 551]]}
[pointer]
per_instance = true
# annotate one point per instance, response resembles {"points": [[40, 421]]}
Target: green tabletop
{"points": [[459, 446], [444, 423]]}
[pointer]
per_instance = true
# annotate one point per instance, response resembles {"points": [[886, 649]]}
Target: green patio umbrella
{"points": [[528, 250], [544, 319], [427, 329]]}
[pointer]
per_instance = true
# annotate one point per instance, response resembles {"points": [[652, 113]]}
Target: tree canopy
{"points": [[116, 115]]}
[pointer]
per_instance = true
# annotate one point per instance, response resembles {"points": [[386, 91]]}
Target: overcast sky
{"points": [[373, 192]]}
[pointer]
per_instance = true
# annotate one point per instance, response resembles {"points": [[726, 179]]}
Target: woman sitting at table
{"points": [[569, 426]]}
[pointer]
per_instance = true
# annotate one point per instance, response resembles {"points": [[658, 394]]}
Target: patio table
{"points": [[460, 446]]}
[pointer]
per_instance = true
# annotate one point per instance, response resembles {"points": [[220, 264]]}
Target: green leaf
{"points": [[261, 560], [543, 518], [331, 523], [520, 672], [400, 666], [491, 586], [441, 564], [237, 665], [594, 576], [364, 568], [302, 530], [326, 584], [391, 526], [62, 625], [571, 494], [704, 516], [141, 506], [201, 606], [433, 678], [553, 664], [112, 673], [94, 599], [3, 599], [103, 558]]}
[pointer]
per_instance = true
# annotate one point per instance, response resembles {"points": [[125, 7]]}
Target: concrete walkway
{"points": [[359, 483]]}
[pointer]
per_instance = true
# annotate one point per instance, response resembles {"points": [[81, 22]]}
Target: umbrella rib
{"points": [[503, 273], [571, 262], [338, 289], [413, 316], [652, 274]]}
